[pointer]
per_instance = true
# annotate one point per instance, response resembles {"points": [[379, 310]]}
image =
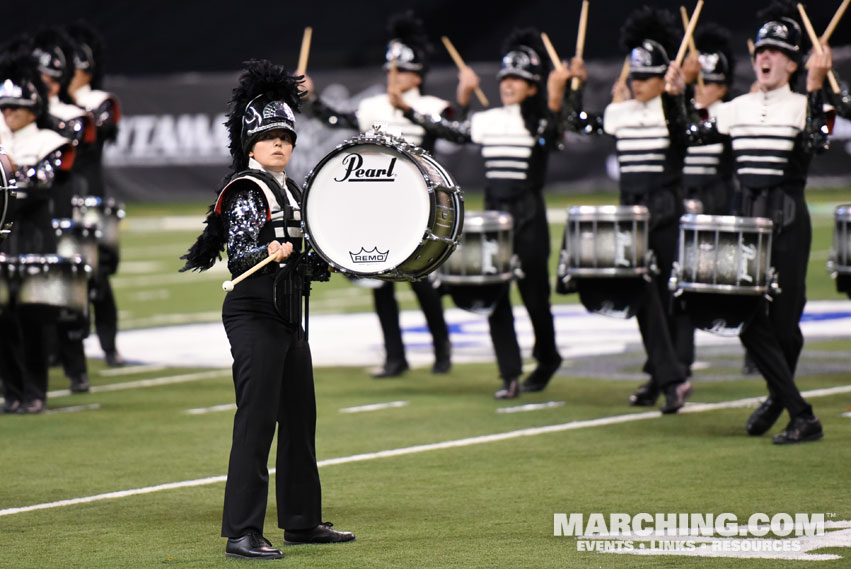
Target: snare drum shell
{"points": [[104, 214], [484, 252], [605, 241], [725, 254], [78, 239], [842, 240], [55, 282]]}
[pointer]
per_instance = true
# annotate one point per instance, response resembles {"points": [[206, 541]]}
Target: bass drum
{"points": [[378, 207]]}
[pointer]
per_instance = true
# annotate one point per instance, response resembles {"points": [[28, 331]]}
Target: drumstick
{"points": [[834, 21], [624, 71], [691, 44], [817, 46], [580, 40], [751, 48], [456, 57], [551, 51], [305, 51], [227, 286], [689, 31]]}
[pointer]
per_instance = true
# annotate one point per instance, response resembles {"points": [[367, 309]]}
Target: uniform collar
{"points": [[411, 95], [281, 177], [777, 93]]}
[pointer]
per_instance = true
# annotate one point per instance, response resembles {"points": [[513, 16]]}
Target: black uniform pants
{"points": [[388, 315], [273, 381], [23, 355], [532, 246], [106, 312], [774, 338], [666, 332]]}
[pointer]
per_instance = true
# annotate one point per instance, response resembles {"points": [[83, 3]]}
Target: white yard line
{"points": [[374, 407], [530, 432], [530, 407]]}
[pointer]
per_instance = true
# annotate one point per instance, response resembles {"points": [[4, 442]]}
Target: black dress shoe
{"points": [[675, 396], [33, 407], [509, 390], [114, 359], [10, 407], [801, 429], [393, 368], [319, 534], [80, 383], [645, 396], [764, 417], [540, 377], [252, 546]]}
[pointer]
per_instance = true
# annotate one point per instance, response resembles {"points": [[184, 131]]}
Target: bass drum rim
{"points": [[410, 152]]}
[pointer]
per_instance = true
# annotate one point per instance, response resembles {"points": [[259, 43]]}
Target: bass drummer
{"points": [[407, 52], [774, 133], [256, 216], [43, 159], [515, 178]]}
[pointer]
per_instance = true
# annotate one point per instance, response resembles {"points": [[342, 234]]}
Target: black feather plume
{"points": [[788, 9], [208, 248], [261, 77], [531, 38], [82, 33], [649, 23], [54, 37], [19, 65], [409, 29]]}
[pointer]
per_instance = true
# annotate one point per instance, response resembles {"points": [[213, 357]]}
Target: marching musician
{"points": [[774, 133], [407, 52], [257, 215], [104, 107], [43, 159], [54, 51], [515, 177], [650, 159]]}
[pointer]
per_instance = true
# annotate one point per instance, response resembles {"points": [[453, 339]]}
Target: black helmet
{"points": [[780, 28], [20, 83], [88, 50], [408, 47], [523, 56], [54, 51], [265, 100], [651, 36], [717, 62]]}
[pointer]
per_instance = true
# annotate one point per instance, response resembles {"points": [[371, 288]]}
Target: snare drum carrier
{"points": [[478, 273], [605, 257], [379, 207], [723, 269], [839, 262]]}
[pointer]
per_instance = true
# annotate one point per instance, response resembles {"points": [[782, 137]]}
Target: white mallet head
{"points": [[227, 286]]}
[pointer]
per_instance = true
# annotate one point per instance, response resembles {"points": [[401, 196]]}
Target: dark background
{"points": [[158, 36]]}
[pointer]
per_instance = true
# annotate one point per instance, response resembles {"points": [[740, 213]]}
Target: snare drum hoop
{"points": [[760, 226], [410, 152], [7, 189], [638, 214]]}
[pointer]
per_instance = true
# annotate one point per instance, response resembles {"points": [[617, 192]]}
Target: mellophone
{"points": [[722, 270], [839, 261]]}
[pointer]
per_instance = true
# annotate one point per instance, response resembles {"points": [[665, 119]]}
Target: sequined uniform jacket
{"points": [[105, 112]]}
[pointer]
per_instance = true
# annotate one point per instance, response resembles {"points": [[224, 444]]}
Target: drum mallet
{"points": [[817, 46], [456, 57], [227, 286], [305, 51], [580, 40], [691, 44]]}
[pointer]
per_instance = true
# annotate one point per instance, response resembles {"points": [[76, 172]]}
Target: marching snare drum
{"points": [[77, 239], [53, 284], [723, 270], [839, 261], [102, 213], [605, 241], [378, 207], [723, 254], [477, 273]]}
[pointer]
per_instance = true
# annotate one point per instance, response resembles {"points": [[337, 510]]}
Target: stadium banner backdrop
{"points": [[172, 143]]}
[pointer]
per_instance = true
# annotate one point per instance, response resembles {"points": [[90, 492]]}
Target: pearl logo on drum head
{"points": [[355, 172]]}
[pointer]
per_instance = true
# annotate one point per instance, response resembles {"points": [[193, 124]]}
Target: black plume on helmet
{"points": [[717, 62], [88, 50], [21, 84], [408, 45], [781, 27], [265, 99], [54, 50]]}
